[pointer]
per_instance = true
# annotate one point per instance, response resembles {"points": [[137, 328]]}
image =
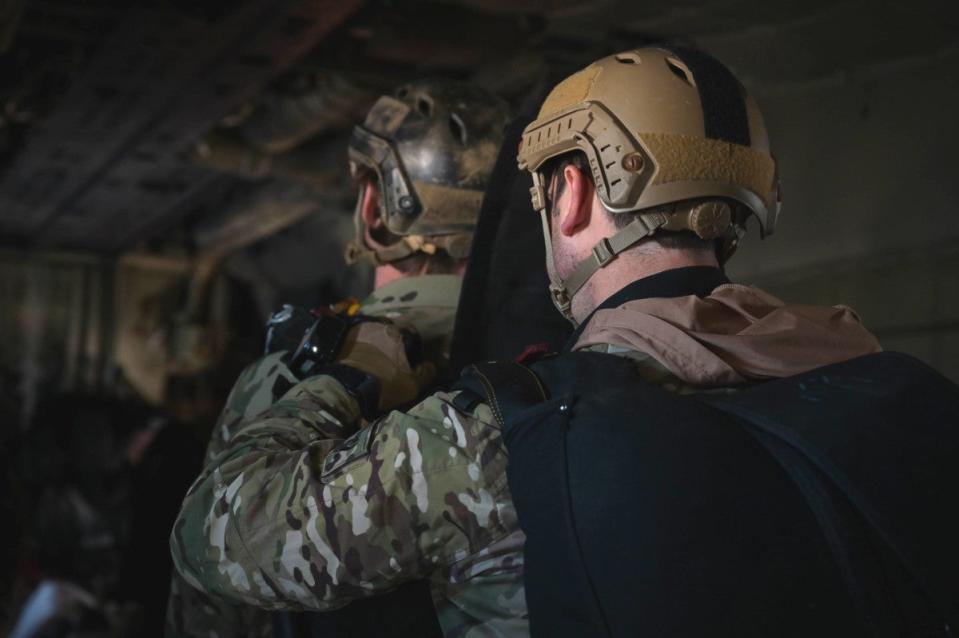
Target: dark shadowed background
{"points": [[172, 170]]}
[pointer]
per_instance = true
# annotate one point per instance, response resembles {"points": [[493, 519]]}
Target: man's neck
{"points": [[387, 274], [684, 281], [629, 267]]}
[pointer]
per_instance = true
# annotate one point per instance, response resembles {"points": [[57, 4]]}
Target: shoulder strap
{"points": [[843, 479], [505, 386], [833, 515]]}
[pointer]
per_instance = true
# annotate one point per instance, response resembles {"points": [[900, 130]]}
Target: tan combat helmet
{"points": [[431, 147], [670, 130]]}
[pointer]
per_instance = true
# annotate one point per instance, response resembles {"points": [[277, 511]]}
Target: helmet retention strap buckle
{"points": [[603, 252]]}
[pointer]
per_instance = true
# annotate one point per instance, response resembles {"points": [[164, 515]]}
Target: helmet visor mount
{"points": [[398, 199]]}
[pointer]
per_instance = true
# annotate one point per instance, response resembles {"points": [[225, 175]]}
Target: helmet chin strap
{"points": [[562, 290], [356, 248], [562, 299]]}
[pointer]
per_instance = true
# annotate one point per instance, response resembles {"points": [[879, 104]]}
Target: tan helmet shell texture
{"points": [[641, 117], [432, 146]]}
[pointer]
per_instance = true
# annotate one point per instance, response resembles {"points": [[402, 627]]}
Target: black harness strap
{"points": [[880, 432], [833, 516]]}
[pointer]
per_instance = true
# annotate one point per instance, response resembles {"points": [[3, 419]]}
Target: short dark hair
{"points": [[684, 239]]}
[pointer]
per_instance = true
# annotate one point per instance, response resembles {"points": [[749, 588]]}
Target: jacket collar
{"points": [[678, 282]]}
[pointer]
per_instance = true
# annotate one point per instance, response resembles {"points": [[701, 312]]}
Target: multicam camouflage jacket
{"points": [[299, 510]]}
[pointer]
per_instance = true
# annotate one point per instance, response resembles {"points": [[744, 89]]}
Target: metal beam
{"points": [[10, 11], [108, 162]]}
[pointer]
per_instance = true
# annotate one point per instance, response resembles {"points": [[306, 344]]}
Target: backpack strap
{"points": [[835, 503], [504, 386], [834, 514]]}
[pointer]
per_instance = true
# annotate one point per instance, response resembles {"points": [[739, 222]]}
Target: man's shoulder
{"points": [[420, 291], [432, 436], [648, 367], [253, 391], [431, 477]]}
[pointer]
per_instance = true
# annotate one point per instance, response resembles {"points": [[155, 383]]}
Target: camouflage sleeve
{"points": [[193, 613], [251, 395], [292, 516]]}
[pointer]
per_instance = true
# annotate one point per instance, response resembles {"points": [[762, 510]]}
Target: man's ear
{"points": [[370, 206], [579, 189]]}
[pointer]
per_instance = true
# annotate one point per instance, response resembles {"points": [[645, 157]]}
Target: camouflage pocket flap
{"points": [[351, 449]]}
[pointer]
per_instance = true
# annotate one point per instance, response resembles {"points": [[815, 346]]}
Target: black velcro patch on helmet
{"points": [[722, 97]]}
